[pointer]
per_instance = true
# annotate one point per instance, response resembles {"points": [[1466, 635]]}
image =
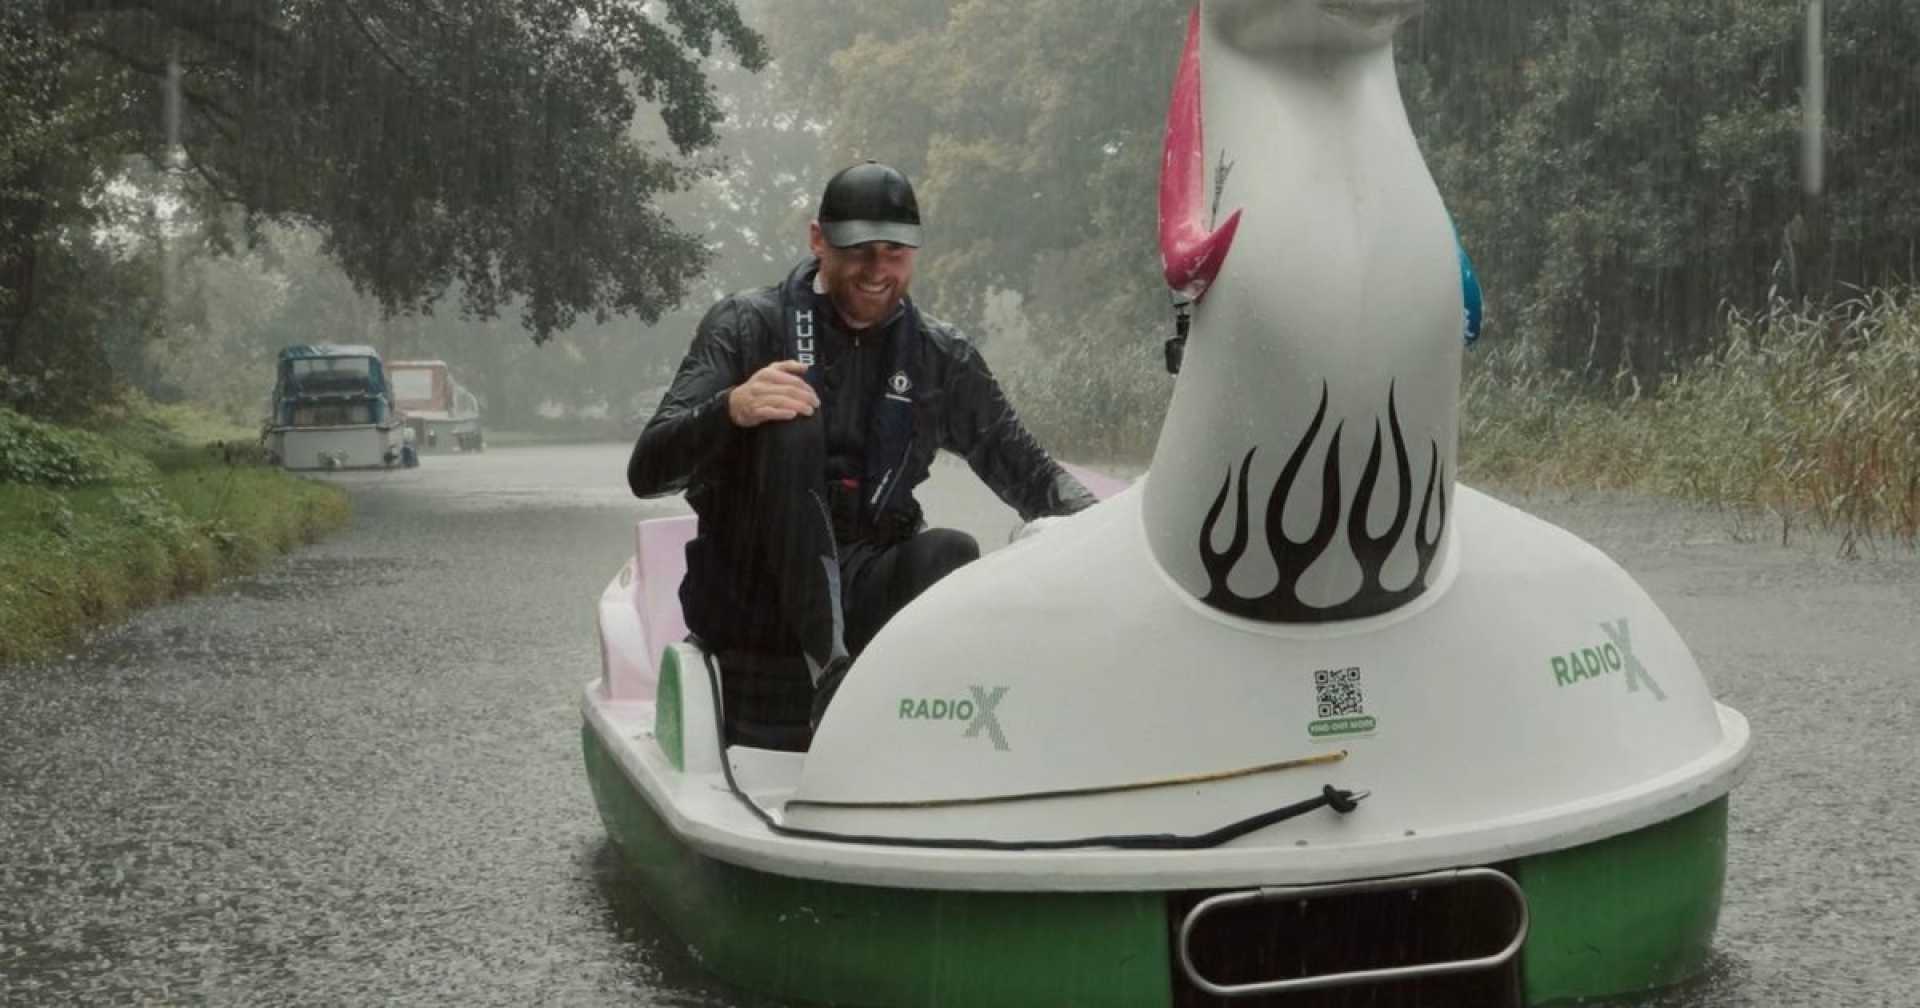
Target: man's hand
{"points": [[775, 392]]}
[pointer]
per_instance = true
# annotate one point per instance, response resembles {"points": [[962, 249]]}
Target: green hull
{"points": [[1624, 914], [864, 945], [1629, 913]]}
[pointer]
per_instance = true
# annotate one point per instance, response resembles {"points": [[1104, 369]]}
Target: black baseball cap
{"points": [[869, 202]]}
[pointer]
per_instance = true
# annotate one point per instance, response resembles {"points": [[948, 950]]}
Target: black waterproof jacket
{"points": [[692, 445]]}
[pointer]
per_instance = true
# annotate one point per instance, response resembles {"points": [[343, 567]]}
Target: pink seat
{"points": [[660, 563], [660, 553]]}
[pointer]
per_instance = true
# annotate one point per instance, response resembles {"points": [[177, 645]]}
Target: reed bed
{"points": [[1809, 415]]}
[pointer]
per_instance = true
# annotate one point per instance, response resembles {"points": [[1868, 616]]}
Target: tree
{"points": [[482, 145], [1625, 172], [57, 131]]}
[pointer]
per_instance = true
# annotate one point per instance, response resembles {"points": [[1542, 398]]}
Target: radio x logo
{"points": [[1616, 655], [985, 719], [1636, 673], [978, 712]]}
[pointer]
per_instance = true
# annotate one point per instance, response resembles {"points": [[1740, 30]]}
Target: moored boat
{"points": [[442, 413], [331, 409]]}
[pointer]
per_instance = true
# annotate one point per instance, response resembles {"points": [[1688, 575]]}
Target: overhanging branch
{"points": [[366, 29], [220, 188], [217, 28]]}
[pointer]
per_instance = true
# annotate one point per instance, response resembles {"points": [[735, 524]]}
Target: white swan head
{"points": [[1260, 27]]}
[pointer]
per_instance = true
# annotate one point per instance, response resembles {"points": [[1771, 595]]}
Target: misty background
{"points": [[547, 194]]}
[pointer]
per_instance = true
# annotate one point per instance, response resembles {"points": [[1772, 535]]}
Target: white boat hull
{"points": [[360, 446]]}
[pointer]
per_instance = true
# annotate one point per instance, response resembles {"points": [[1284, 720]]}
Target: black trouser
{"points": [[834, 597], [880, 580]]}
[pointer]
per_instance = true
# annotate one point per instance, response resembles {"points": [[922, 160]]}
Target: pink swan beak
{"points": [[1190, 255]]}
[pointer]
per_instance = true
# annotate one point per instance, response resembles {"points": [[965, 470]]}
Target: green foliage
{"points": [[43, 454], [1624, 172], [66, 295], [1087, 403], [483, 149], [134, 530], [1802, 413], [481, 142]]}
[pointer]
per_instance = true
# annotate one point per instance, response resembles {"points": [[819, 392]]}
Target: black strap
{"points": [[889, 446], [1340, 801]]}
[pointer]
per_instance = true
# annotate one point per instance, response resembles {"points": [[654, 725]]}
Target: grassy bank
{"points": [[1810, 417], [95, 525]]}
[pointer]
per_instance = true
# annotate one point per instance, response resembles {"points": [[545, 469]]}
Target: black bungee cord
{"points": [[1340, 800]]}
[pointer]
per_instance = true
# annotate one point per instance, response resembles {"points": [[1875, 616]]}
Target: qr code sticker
{"points": [[1338, 692]]}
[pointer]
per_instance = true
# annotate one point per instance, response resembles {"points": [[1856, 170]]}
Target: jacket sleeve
{"points": [[692, 423], [982, 426]]}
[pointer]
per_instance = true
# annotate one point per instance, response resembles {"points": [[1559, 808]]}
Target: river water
{"points": [[355, 777]]}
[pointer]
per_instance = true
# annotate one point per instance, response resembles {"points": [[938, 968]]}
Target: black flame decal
{"points": [[1293, 557]]}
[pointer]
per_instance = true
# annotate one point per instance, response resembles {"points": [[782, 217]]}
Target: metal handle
{"points": [[1396, 883]]}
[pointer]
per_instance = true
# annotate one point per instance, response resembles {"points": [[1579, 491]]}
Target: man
{"points": [[799, 423]]}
